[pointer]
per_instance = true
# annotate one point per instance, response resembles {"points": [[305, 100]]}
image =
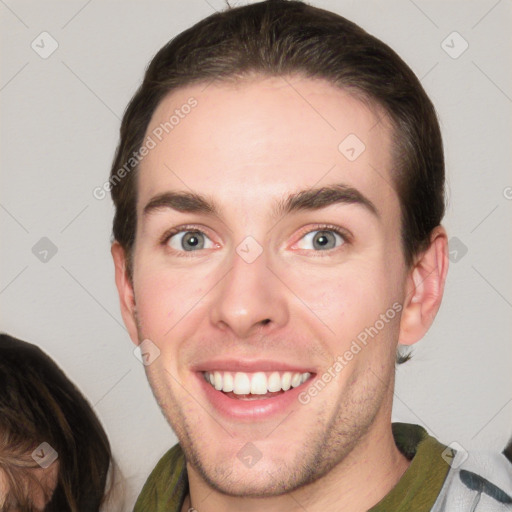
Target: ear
{"points": [[424, 288], [125, 290]]}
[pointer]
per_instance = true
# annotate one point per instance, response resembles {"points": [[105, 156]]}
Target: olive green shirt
{"points": [[167, 486]]}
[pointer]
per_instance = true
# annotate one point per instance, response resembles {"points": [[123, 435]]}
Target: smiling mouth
{"points": [[255, 386]]}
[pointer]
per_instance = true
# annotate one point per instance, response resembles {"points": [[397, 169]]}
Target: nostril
{"points": [[266, 321]]}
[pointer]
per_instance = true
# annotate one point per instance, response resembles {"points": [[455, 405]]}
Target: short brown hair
{"points": [[286, 37]]}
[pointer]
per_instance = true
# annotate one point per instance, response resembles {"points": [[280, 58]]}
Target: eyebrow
{"points": [[304, 200]]}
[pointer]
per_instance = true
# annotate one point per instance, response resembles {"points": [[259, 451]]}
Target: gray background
{"points": [[59, 127]]}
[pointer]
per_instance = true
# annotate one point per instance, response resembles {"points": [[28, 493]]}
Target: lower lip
{"points": [[239, 409]]}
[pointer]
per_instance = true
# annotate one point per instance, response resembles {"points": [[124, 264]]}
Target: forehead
{"points": [[251, 140]]}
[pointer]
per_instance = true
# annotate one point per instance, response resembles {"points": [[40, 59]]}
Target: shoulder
{"points": [[167, 484], [476, 482]]}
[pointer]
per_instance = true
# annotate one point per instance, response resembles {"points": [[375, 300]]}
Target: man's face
{"points": [[256, 289]]}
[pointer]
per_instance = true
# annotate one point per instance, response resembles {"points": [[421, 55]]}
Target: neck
{"points": [[356, 484]]}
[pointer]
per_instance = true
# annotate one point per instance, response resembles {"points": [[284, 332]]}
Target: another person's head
{"points": [[54, 454], [279, 189]]}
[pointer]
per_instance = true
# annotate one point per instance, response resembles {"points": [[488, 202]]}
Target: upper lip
{"points": [[250, 366]]}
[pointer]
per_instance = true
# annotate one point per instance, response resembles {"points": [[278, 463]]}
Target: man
{"points": [[279, 189]]}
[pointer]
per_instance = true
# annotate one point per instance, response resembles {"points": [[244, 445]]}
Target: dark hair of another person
{"points": [[508, 451], [38, 403], [289, 38]]}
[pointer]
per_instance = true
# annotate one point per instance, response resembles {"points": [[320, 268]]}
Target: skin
{"points": [[39, 487], [246, 146], [47, 478], [4, 487]]}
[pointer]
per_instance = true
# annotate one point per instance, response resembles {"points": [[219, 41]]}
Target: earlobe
{"points": [[125, 290], [425, 287]]}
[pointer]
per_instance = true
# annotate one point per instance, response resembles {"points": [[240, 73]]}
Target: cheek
{"points": [[352, 304], [344, 296], [164, 297], [155, 301]]}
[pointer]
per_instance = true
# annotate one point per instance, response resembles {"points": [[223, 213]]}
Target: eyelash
{"points": [[174, 231], [344, 234]]}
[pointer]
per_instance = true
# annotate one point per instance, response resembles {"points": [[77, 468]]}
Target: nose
{"points": [[250, 299]]}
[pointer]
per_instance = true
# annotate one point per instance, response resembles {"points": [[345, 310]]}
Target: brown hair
{"points": [[38, 404], [285, 37]]}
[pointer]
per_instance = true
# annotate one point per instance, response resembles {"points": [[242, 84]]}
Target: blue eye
{"points": [[189, 241], [322, 240]]}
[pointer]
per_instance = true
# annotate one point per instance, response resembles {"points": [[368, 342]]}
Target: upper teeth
{"points": [[258, 383]]}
